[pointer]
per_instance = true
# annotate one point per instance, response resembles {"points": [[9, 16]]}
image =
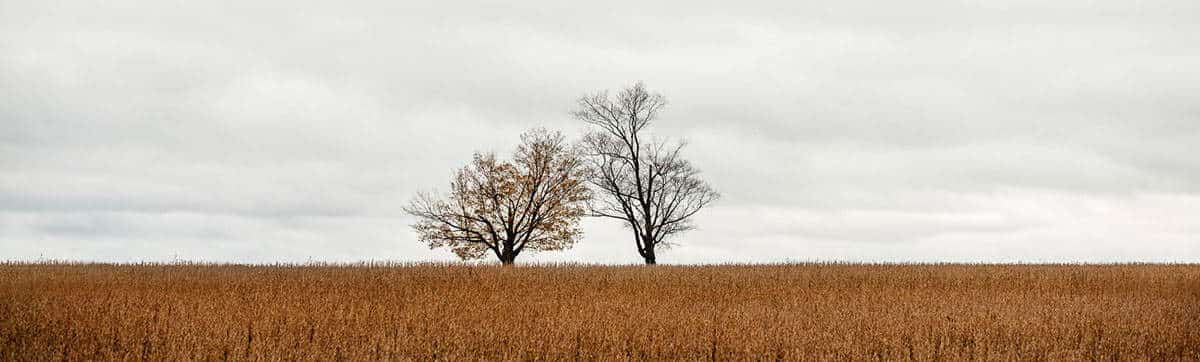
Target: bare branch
{"points": [[643, 182]]}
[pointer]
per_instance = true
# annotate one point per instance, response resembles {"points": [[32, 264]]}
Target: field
{"points": [[432, 311]]}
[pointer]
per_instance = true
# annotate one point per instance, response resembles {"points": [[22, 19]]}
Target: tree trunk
{"points": [[507, 255], [649, 254]]}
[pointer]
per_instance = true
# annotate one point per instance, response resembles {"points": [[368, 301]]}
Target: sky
{"points": [[875, 131]]}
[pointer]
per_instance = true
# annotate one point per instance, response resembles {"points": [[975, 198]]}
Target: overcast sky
{"points": [[288, 131]]}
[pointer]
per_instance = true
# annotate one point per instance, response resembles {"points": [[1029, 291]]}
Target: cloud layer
{"points": [[290, 131]]}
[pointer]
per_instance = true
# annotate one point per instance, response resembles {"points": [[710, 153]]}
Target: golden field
{"points": [[436, 311]]}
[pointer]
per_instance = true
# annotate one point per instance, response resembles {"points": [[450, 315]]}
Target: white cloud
{"points": [[283, 131]]}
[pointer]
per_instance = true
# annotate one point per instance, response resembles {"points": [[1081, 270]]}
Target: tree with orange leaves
{"points": [[533, 202]]}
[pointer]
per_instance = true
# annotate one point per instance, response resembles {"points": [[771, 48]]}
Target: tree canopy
{"points": [[533, 202]]}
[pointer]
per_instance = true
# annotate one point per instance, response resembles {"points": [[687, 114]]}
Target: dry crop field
{"points": [[431, 311]]}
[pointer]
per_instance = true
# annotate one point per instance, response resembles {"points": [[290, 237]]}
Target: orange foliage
{"points": [[534, 202]]}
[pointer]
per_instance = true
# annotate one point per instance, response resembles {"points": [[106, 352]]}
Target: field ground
{"points": [[793, 311]]}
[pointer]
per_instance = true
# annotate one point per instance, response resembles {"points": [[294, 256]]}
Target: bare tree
{"points": [[644, 182], [533, 202]]}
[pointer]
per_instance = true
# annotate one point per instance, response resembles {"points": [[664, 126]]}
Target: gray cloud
{"points": [[290, 131]]}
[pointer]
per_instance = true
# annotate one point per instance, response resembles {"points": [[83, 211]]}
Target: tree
{"points": [[644, 182], [533, 202]]}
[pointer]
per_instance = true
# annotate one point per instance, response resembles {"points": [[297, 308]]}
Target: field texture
{"points": [[792, 312]]}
